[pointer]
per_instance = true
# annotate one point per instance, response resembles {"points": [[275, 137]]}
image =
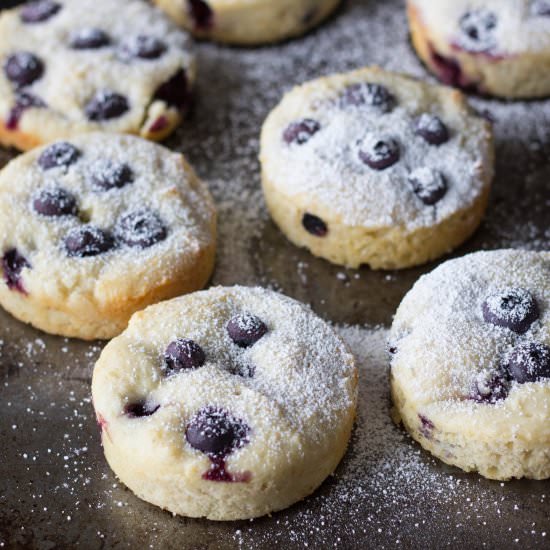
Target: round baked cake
{"points": [[376, 168], [248, 21], [226, 404], [470, 368], [95, 229], [497, 47], [74, 66]]}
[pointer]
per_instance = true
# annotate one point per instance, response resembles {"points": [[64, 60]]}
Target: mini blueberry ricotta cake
{"points": [[248, 21], [496, 47], [470, 367], [74, 66], [95, 229], [226, 404], [376, 168]]}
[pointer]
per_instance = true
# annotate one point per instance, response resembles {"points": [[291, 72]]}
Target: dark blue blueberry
{"points": [[41, 10], [428, 185], [60, 154], [379, 154], [23, 68], [215, 432], [201, 14], [13, 264], [144, 47], [106, 105], [512, 308], [314, 225], [432, 129], [529, 362], [140, 229], [368, 94], [89, 39], [477, 28], [301, 131], [140, 409], [88, 240], [109, 175], [55, 202], [490, 387], [183, 354], [246, 329]]}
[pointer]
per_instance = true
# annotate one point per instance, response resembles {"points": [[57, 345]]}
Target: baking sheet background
{"points": [[56, 489]]}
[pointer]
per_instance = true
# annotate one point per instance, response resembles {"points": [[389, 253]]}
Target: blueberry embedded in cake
{"points": [[152, 61]]}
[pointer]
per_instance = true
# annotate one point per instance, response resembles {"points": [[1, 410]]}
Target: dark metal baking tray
{"points": [[56, 490]]}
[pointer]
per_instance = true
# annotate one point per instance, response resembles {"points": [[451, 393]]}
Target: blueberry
{"points": [[490, 387], [370, 95], [540, 8], [183, 354], [201, 14], [379, 153], [23, 101], [13, 264], [175, 91], [246, 329], [477, 30], [144, 47], [529, 362], [58, 155], [215, 432], [139, 409], [432, 129], [88, 240], [512, 308], [301, 131], [110, 175], [426, 426], [36, 12], [106, 105], [140, 229], [23, 68], [55, 202], [429, 185], [314, 225], [89, 39]]}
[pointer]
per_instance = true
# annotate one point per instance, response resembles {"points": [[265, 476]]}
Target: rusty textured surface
{"points": [[56, 489]]}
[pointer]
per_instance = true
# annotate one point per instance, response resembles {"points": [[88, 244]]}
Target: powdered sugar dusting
{"points": [[357, 166], [58, 486]]}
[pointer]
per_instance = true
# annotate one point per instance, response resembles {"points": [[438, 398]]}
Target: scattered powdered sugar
{"points": [[387, 491], [387, 488]]}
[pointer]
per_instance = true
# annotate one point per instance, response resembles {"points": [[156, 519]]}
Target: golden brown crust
{"points": [[268, 22], [17, 139]]}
